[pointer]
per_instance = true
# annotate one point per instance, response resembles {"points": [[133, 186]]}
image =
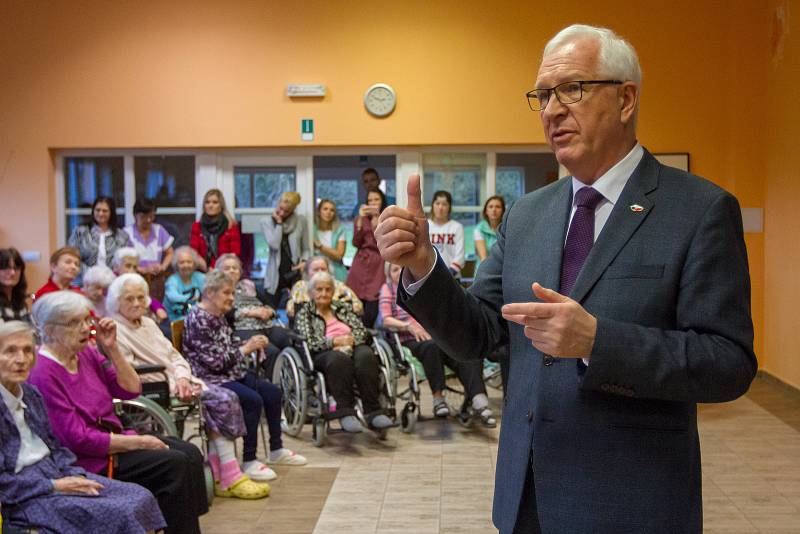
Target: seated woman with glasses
{"points": [[141, 343], [40, 485], [13, 287], [79, 381], [182, 290]]}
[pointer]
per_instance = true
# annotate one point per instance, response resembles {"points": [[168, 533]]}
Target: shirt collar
{"points": [[611, 184], [13, 402]]}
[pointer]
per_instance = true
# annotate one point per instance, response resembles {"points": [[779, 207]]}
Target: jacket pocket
{"points": [[634, 270]]}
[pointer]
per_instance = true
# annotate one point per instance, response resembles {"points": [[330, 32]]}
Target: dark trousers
{"points": [[370, 313], [433, 359], [342, 371], [527, 515], [174, 476], [256, 395]]}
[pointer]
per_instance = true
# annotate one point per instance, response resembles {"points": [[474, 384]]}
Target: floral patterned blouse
{"points": [[211, 348], [312, 325], [87, 240]]}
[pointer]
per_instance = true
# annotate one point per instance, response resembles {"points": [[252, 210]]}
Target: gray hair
{"points": [[56, 307], [228, 256], [318, 278], [99, 275], [185, 250], [617, 58], [117, 289], [11, 328], [215, 280], [121, 254], [312, 259]]}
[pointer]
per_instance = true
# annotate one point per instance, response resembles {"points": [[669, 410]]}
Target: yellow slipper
{"points": [[243, 488]]}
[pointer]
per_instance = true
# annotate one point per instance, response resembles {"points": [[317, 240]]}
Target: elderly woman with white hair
{"points": [[141, 343], [41, 488], [182, 289], [79, 381], [339, 344], [96, 280], [217, 357]]}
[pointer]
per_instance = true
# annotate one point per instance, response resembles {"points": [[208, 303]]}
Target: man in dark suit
{"points": [[624, 293]]}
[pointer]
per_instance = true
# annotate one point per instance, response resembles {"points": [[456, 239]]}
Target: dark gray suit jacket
{"points": [[614, 445]]}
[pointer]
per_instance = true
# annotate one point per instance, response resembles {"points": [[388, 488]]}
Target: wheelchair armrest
{"points": [[295, 337], [147, 369]]}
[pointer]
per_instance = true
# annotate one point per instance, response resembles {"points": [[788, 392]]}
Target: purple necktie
{"points": [[580, 237]]}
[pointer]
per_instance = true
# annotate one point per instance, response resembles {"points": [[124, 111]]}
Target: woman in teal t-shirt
{"points": [[330, 239], [485, 233]]}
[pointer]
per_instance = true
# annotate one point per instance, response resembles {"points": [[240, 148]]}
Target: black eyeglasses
{"points": [[566, 93]]}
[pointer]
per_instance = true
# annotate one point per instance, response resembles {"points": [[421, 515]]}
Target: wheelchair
{"points": [[305, 396]]}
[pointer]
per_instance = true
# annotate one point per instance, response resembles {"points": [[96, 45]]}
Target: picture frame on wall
{"points": [[679, 160]]}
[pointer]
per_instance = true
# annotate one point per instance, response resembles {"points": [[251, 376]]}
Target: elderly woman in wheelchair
{"points": [[78, 378], [413, 336], [339, 348], [143, 344], [218, 357], [40, 485]]}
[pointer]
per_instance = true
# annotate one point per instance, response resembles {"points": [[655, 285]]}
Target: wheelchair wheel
{"points": [[209, 483], [288, 374], [145, 417], [386, 356], [319, 431], [408, 418]]}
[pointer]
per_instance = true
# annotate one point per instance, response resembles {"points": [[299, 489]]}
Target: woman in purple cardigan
{"points": [[79, 382], [40, 487]]}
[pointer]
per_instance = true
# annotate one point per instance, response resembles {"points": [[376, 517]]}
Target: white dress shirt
{"points": [[31, 447]]}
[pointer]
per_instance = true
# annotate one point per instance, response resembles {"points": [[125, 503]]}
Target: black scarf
{"points": [[212, 229]]}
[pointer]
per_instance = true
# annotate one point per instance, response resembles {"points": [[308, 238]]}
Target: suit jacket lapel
{"points": [[620, 226]]}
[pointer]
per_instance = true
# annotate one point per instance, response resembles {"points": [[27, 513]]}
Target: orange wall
{"points": [[782, 187], [213, 74]]}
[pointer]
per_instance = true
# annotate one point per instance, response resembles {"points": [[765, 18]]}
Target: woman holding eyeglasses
{"points": [[13, 287], [79, 380]]}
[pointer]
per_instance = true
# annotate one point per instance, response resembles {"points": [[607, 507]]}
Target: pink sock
{"points": [[213, 463], [229, 473]]}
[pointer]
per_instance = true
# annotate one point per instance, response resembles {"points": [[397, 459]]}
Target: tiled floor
{"points": [[440, 479]]}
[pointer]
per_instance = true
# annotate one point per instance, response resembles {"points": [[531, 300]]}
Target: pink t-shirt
{"points": [[334, 328]]}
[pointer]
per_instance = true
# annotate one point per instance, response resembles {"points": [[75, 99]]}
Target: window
{"points": [[85, 179], [261, 187], [338, 178], [464, 177], [256, 193], [170, 182], [522, 173]]}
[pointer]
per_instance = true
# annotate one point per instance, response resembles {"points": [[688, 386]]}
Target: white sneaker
{"points": [[258, 472], [287, 457]]}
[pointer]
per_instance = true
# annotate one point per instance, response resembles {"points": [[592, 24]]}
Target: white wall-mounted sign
{"points": [[305, 90]]}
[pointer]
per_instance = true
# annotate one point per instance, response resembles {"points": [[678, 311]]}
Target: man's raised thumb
{"points": [[414, 204]]}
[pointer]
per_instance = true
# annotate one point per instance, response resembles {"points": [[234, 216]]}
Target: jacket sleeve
{"points": [[305, 249], [208, 352], [172, 292], [272, 232], [234, 241], [197, 241], [16, 488], [359, 234], [360, 334]]}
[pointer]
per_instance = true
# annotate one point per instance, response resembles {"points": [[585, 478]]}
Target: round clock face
{"points": [[380, 100]]}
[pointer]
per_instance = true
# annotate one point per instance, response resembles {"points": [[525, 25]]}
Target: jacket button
{"points": [[548, 360], [530, 415]]}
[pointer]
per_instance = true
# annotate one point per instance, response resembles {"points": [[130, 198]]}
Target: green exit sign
{"points": [[307, 129]]}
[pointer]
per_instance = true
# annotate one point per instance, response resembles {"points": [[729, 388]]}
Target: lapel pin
{"points": [[636, 208]]}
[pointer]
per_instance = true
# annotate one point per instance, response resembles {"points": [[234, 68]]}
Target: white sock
{"points": [[274, 455], [212, 449], [225, 449], [479, 402]]}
